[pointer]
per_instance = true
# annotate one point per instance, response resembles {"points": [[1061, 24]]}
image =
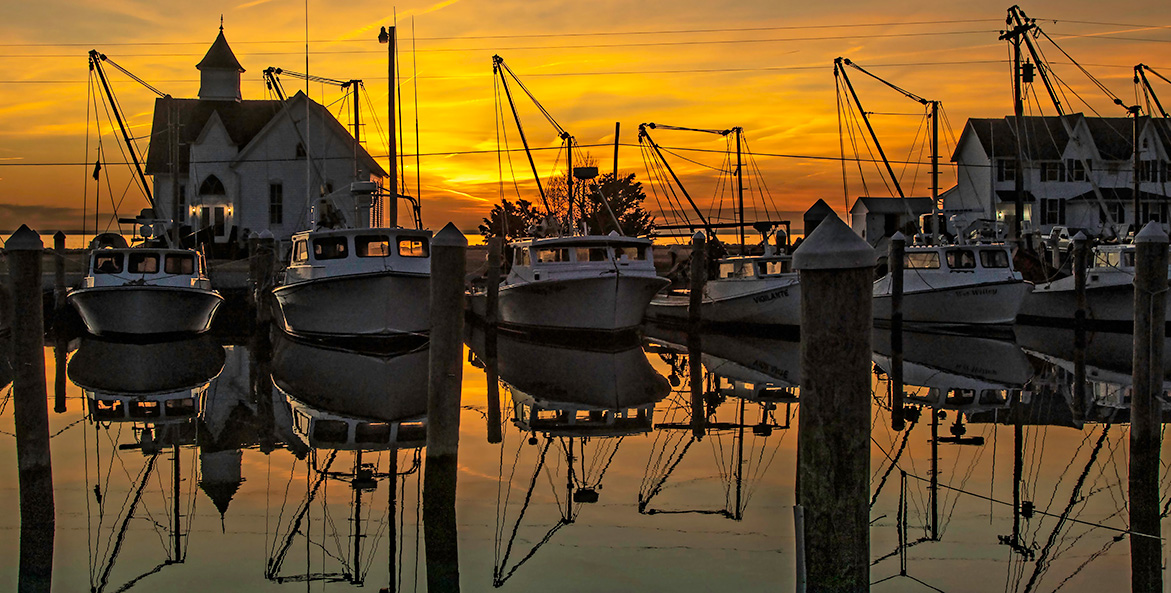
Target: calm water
{"points": [[597, 482]]}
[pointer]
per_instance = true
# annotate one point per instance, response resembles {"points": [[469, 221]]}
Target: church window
{"points": [[211, 186]]}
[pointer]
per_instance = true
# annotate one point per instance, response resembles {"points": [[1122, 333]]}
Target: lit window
{"points": [[413, 247]]}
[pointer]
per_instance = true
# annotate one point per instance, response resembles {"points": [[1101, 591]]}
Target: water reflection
{"points": [[576, 407], [140, 397], [372, 406]]}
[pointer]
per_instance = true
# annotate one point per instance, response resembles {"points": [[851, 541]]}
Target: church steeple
{"points": [[219, 72]]}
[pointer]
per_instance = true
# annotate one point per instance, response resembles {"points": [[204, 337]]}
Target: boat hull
{"points": [[381, 304], [1108, 308], [145, 310], [767, 303], [990, 303], [606, 303]]}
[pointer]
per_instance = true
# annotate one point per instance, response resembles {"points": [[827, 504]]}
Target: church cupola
{"points": [[219, 72]]}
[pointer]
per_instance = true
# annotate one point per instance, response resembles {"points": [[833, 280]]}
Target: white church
{"points": [[249, 165]]}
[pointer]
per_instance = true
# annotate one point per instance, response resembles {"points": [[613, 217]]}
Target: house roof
{"points": [[220, 56], [1046, 137], [244, 122], [880, 205]]}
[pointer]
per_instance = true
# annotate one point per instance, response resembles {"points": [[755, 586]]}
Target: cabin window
{"points": [[522, 257], [104, 409], [779, 267], [1127, 259], [546, 256], [183, 264], [329, 248], [994, 258], [413, 247], [591, 254], [372, 245], [961, 259], [331, 431], [300, 252], [414, 431], [145, 409], [180, 407], [303, 422], [144, 263], [630, 252], [927, 260], [372, 432], [108, 263], [211, 186], [737, 270]]}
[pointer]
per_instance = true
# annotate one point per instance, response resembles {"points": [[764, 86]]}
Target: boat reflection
{"points": [[155, 390], [371, 404], [718, 380], [576, 405]]}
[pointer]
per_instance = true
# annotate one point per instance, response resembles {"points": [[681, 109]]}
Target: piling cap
{"points": [[1080, 236], [698, 237], [1152, 233], [450, 236], [24, 239], [266, 234], [833, 246], [899, 236]]}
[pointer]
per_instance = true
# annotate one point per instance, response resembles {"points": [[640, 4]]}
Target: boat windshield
{"points": [[180, 263], [552, 255], [372, 432], [737, 269], [413, 247], [331, 431], [994, 258], [108, 263], [921, 260], [630, 252], [372, 245], [592, 254], [961, 259], [329, 248], [770, 268], [144, 263]]}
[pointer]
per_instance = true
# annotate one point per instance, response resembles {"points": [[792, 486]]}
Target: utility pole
{"points": [[1014, 36]]}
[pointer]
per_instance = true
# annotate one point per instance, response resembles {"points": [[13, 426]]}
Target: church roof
{"points": [[243, 120], [219, 55]]}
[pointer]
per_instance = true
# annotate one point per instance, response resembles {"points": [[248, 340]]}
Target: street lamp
{"points": [[386, 35]]}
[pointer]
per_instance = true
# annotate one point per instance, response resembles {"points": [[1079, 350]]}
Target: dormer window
{"points": [[211, 186]]}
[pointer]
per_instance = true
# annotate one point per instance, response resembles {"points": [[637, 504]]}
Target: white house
{"points": [[247, 165], [877, 219], [1078, 171]]}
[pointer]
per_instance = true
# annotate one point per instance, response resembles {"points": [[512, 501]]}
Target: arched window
{"points": [[211, 186]]}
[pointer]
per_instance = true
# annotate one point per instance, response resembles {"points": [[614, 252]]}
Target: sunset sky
{"points": [[763, 65]]}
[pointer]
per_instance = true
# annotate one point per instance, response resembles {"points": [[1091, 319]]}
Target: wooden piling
{"points": [[262, 261], [698, 278], [492, 376], [492, 279], [695, 369], [1150, 295], [833, 448], [1080, 263], [58, 274], [898, 247], [448, 266], [31, 412]]}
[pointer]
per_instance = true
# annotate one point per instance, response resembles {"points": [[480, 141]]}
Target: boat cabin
{"points": [[755, 267], [179, 406], [356, 251], [164, 267], [556, 256], [531, 416], [958, 258], [324, 430]]}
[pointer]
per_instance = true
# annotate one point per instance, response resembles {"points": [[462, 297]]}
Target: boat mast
{"points": [[387, 36], [740, 184], [569, 177], [935, 172]]}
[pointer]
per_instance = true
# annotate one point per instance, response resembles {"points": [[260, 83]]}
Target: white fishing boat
{"points": [[372, 282], [146, 291], [758, 290], [584, 282], [1109, 293], [955, 285]]}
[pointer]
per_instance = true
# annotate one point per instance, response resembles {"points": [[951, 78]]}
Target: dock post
{"points": [[492, 376], [836, 270], [1080, 263], [1054, 253], [448, 250], [58, 275], [492, 279], [695, 370], [31, 412], [898, 247], [1150, 296], [261, 267], [698, 278]]}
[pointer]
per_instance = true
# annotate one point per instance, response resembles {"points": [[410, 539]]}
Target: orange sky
{"points": [[763, 65]]}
